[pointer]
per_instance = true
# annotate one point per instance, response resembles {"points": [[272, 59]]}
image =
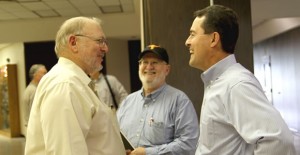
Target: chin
{"points": [[98, 69], [191, 63]]}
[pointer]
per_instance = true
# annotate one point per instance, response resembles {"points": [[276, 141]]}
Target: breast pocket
{"points": [[154, 133]]}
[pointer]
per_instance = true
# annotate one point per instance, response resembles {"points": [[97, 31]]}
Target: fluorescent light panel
{"points": [[111, 9]]}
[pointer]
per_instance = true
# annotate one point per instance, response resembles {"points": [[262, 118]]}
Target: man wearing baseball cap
{"points": [[158, 118]]}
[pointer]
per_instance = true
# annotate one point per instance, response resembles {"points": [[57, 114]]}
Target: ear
{"points": [[215, 39], [168, 69], [72, 42]]}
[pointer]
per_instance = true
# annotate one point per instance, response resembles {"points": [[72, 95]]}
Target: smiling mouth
{"points": [[149, 73]]}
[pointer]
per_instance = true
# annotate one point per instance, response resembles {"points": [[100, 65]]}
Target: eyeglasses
{"points": [[102, 41], [152, 63]]}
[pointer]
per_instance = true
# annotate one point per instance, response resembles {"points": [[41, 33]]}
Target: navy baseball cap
{"points": [[159, 51]]}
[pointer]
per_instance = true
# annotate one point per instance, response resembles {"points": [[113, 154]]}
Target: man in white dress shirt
{"points": [[236, 116], [67, 118]]}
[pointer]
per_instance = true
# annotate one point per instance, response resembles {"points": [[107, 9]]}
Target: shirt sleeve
{"points": [[65, 120], [186, 132], [257, 121]]}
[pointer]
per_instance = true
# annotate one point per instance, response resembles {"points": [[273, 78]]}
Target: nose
{"points": [[104, 48], [149, 65], [187, 42]]}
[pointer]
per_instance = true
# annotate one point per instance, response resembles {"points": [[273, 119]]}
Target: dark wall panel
{"points": [[39, 53], [43, 53], [244, 48], [134, 48], [167, 23]]}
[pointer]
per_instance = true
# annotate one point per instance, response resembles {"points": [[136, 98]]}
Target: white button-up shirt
{"points": [[67, 118], [237, 118]]}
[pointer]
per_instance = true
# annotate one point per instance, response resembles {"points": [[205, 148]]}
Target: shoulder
{"points": [[172, 91], [30, 89], [237, 81], [238, 74], [175, 96], [132, 100], [134, 95], [63, 77], [111, 78]]}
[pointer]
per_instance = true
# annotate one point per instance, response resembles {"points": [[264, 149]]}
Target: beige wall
{"points": [[15, 52]]}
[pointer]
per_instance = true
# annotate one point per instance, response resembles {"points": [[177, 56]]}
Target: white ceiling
{"points": [[124, 12], [34, 9], [38, 20], [263, 10], [273, 17]]}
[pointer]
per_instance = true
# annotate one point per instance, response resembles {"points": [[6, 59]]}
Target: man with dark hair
{"points": [[236, 116]]}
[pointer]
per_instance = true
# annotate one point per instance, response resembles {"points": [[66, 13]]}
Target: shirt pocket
{"points": [[154, 133]]}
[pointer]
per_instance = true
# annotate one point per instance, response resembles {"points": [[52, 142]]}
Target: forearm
{"points": [[176, 147]]}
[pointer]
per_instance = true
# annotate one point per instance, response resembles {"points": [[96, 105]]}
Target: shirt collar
{"points": [[155, 93], [79, 72], [215, 71]]}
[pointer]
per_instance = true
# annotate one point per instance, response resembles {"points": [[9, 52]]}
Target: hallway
{"points": [[12, 146]]}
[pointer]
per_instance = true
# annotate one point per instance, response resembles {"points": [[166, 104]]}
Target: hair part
{"points": [[223, 20]]}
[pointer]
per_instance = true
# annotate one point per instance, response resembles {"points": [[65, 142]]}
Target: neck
{"points": [[34, 82], [148, 89], [220, 55], [76, 60]]}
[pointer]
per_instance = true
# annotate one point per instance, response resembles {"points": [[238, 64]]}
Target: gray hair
{"points": [[71, 26], [33, 69]]}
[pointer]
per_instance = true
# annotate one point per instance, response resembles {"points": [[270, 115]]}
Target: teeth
{"points": [[149, 73]]}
